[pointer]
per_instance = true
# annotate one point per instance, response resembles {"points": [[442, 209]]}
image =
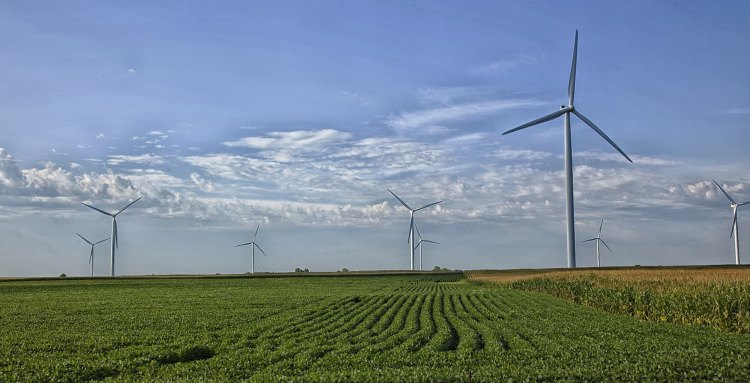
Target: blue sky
{"points": [[298, 115]]}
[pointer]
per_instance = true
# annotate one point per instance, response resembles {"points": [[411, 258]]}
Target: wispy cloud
{"points": [[290, 140], [467, 111], [738, 111], [504, 66], [616, 157], [150, 159]]}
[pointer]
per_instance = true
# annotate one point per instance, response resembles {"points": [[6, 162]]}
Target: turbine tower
{"points": [[411, 225], [91, 255], [565, 111], [735, 229], [598, 239], [420, 246], [254, 245], [114, 232]]}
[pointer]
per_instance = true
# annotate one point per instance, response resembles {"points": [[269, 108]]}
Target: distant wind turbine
{"points": [[114, 231], [91, 255], [598, 239], [565, 111], [254, 245], [420, 245], [411, 224], [735, 229]]}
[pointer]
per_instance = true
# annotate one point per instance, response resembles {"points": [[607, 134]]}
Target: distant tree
{"points": [[298, 270], [307, 270], [436, 268], [344, 270], [62, 275]]}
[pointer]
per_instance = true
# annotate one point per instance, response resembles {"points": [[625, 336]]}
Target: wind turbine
{"points": [[420, 245], [411, 224], [254, 245], [565, 111], [598, 239], [735, 229], [114, 231], [91, 255]]}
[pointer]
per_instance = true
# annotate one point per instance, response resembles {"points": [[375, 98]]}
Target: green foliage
{"points": [[349, 328], [721, 305]]}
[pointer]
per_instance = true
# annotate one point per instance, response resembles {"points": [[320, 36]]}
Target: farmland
{"points": [[430, 327]]}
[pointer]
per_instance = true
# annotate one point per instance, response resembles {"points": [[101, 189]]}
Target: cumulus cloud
{"points": [[10, 175], [201, 183]]}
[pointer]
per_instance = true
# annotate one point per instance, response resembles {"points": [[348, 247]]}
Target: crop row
{"points": [[724, 306]]}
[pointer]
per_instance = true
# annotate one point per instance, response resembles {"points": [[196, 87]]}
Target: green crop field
{"points": [[423, 328]]}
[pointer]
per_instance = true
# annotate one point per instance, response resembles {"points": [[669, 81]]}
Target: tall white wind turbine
{"points": [[565, 111], [411, 224], [421, 240], [735, 227], [252, 252], [599, 239], [114, 231], [91, 255]]}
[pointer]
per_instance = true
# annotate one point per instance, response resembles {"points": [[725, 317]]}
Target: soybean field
{"points": [[365, 328]]}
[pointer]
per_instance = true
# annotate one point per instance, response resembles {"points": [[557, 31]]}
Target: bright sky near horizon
{"points": [[297, 115]]}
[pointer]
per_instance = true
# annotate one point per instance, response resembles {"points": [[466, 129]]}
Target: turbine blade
{"points": [[601, 133], [428, 205], [589, 240], [572, 81], [743, 204], [418, 234], [600, 226], [261, 250], [734, 223], [400, 200], [91, 254], [97, 209], [546, 118], [411, 227], [114, 232], [418, 244], [244, 244], [93, 244], [256, 232], [427, 240], [128, 205], [87, 241], [605, 245], [725, 193]]}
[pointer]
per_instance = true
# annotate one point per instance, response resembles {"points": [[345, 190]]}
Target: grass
{"points": [[390, 328]]}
